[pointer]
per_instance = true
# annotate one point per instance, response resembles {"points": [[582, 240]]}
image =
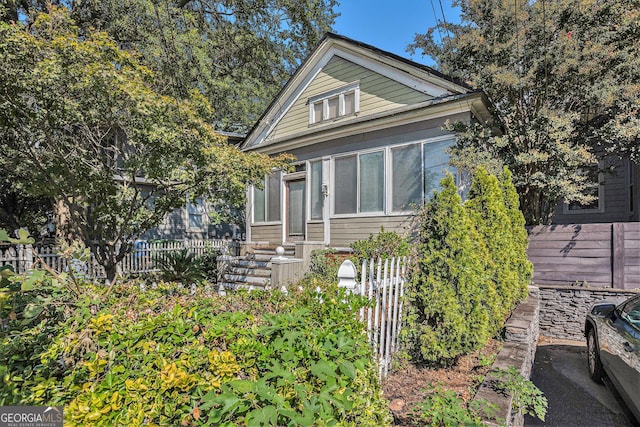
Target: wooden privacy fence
{"points": [[140, 260], [383, 283], [598, 255]]}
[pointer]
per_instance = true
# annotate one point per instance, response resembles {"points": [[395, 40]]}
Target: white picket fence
{"points": [[384, 283], [140, 260]]}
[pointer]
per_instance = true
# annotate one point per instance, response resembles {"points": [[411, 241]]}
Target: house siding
{"points": [[315, 232], [345, 231], [616, 199], [267, 233], [377, 93], [414, 132]]}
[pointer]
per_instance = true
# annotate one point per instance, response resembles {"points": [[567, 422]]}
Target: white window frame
{"points": [[201, 210], [325, 97], [601, 195], [266, 202], [388, 184], [357, 155]]}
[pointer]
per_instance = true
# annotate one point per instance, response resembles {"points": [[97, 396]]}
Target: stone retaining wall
{"points": [[563, 309], [518, 350]]}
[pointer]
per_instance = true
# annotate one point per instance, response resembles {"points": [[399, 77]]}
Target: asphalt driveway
{"points": [[560, 371]]}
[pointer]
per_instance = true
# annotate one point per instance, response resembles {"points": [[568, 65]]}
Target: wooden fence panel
{"points": [[600, 255]]}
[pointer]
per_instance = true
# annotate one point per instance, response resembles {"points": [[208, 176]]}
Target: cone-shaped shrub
{"points": [[520, 241], [449, 287], [487, 210]]}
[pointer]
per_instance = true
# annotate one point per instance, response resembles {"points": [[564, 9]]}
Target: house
{"points": [[616, 195], [365, 126], [193, 220]]}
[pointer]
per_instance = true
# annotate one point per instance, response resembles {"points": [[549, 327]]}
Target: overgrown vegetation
{"points": [[471, 269], [122, 356], [442, 408]]}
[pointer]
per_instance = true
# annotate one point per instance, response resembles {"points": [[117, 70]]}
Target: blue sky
{"points": [[391, 25]]}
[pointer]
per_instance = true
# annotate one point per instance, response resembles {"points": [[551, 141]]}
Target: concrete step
{"points": [[250, 264], [256, 272], [259, 257], [228, 286], [244, 279]]}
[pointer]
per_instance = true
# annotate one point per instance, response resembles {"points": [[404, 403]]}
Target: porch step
{"points": [[250, 271], [247, 279], [254, 270]]}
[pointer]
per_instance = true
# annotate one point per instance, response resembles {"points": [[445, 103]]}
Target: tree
{"points": [[237, 53], [564, 79], [81, 124]]}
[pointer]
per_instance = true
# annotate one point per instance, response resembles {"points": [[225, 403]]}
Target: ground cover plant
{"points": [[168, 356]]}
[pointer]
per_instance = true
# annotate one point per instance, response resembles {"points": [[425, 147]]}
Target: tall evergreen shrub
{"points": [[519, 238], [449, 289], [486, 208]]}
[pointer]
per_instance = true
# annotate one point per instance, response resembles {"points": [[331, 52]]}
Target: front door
{"points": [[296, 202]]}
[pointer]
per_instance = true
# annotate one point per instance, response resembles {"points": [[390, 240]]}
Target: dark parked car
{"points": [[613, 347]]}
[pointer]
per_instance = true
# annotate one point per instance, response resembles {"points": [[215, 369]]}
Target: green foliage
{"points": [[452, 297], [325, 265], [181, 266], [383, 245], [472, 268], [209, 265], [487, 209], [82, 124], [564, 82], [238, 54], [165, 357], [526, 396], [443, 408]]}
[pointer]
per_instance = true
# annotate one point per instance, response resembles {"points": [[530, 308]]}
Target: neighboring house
{"points": [[365, 126], [192, 221], [616, 195]]}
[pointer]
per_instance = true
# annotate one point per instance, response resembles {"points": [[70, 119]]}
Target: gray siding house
{"points": [[365, 126]]}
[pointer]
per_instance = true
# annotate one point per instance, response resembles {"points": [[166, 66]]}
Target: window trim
{"points": [[601, 196], [357, 155], [203, 215], [324, 98], [266, 202], [388, 184]]}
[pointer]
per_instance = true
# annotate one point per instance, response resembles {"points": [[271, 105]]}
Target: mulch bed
{"points": [[408, 384]]}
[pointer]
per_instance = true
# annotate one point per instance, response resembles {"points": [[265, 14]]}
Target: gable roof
{"points": [[434, 87]]}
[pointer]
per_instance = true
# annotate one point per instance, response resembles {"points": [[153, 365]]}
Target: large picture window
{"points": [[266, 201], [359, 183], [406, 179]]}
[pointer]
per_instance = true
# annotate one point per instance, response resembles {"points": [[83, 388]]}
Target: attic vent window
{"points": [[337, 103]]}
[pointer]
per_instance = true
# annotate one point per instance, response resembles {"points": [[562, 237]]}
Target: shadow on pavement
{"points": [[560, 371]]}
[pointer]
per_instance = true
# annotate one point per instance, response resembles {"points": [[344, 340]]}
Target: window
{"points": [[196, 213], [359, 183], [266, 202], [436, 165], [595, 189], [406, 179], [316, 189], [335, 104]]}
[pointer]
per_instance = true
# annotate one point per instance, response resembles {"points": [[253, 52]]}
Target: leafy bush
{"points": [[180, 266], [209, 265], [526, 396], [165, 357], [443, 408], [385, 244]]}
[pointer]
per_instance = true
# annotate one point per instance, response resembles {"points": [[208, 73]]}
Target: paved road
{"points": [[560, 371]]}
